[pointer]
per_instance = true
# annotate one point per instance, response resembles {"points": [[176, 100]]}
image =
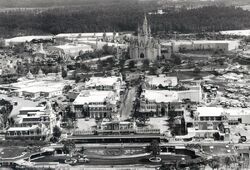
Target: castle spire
{"points": [[145, 26], [149, 31], [138, 33]]}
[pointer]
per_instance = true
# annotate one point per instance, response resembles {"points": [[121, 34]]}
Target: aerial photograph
{"points": [[124, 85]]}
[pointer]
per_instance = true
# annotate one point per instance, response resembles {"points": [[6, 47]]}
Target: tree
{"points": [[216, 136], [163, 111], [131, 64], [176, 59], [108, 50], [82, 150], [67, 88], [155, 148], [197, 70], [167, 167], [146, 63], [142, 119], [57, 132], [69, 147], [228, 161], [64, 73], [214, 163], [153, 70], [78, 78]]}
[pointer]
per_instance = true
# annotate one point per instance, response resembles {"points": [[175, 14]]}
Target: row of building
{"points": [[160, 97], [33, 123], [208, 120], [162, 92], [99, 97]]}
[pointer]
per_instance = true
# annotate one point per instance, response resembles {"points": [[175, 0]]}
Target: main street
{"points": [[127, 103]]}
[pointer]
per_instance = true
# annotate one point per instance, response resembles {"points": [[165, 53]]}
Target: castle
{"points": [[144, 46]]}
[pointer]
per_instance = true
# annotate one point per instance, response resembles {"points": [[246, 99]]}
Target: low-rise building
{"points": [[26, 110], [183, 45], [163, 80], [238, 116], [104, 83], [40, 85], [73, 50], [112, 83], [96, 104], [194, 95], [159, 101], [33, 133], [209, 120], [24, 39]]}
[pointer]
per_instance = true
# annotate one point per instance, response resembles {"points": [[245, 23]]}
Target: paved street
{"points": [[21, 103], [127, 103]]}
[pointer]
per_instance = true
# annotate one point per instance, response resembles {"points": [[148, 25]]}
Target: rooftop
{"points": [[187, 42], [27, 38], [95, 96], [236, 32], [102, 81], [210, 111], [161, 96], [36, 86], [75, 35], [74, 49], [22, 128], [238, 111], [33, 108], [162, 79]]}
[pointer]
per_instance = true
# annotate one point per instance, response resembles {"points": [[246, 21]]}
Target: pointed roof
{"points": [[30, 75], [40, 73]]}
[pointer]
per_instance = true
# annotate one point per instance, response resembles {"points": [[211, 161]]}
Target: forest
{"points": [[119, 15]]}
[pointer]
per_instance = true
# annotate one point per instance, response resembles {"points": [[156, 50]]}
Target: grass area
{"points": [[11, 152], [189, 74], [114, 151]]}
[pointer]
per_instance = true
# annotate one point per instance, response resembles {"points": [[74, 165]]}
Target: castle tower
{"points": [[144, 47], [138, 33]]}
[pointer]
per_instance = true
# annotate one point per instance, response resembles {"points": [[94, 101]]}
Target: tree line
{"points": [[120, 16]]}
